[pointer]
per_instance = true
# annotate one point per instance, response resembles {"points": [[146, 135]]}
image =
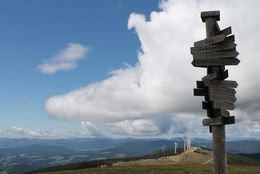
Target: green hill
{"points": [[163, 169], [195, 161]]}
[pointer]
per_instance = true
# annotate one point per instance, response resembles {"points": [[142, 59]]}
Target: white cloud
{"points": [[162, 80], [134, 128], [164, 126], [19, 132], [66, 59], [89, 129]]}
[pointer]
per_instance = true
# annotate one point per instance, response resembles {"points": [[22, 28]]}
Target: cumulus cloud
{"points": [[21, 132], [161, 82], [91, 129], [134, 128], [164, 126], [18, 132], [66, 59]]}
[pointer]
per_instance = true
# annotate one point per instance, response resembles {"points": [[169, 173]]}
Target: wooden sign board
{"points": [[224, 74], [229, 39], [229, 120], [224, 105], [222, 98], [216, 90], [199, 92], [216, 54], [213, 121], [200, 84], [221, 83], [210, 41], [226, 31], [215, 62], [220, 112], [217, 47], [218, 121], [205, 105]]}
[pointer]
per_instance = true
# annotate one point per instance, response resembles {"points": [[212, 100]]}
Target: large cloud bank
{"points": [[159, 87]]}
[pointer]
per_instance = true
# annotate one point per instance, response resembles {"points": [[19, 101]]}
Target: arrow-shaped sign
{"points": [[216, 54], [213, 121], [226, 83], [216, 90], [229, 39], [210, 41], [226, 31], [216, 47], [215, 62], [218, 121], [222, 98], [199, 92]]}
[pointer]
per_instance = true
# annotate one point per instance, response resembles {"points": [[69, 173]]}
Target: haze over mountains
{"points": [[17, 155]]}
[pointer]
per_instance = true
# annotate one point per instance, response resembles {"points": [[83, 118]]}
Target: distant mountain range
{"points": [[20, 155]]}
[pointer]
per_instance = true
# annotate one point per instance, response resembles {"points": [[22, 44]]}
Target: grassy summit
{"points": [[193, 161], [164, 169]]}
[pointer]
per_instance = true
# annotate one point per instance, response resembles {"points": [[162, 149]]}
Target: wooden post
{"points": [[218, 131], [214, 53]]}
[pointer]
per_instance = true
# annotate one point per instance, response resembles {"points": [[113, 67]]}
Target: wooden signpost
{"points": [[214, 53]]}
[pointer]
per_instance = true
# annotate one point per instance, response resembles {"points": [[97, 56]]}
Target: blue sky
{"points": [[118, 68], [32, 31]]}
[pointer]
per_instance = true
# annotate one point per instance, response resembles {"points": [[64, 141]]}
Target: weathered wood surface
{"points": [[215, 62], [219, 90], [222, 98], [229, 39], [210, 41], [226, 83], [218, 111], [199, 92], [216, 54], [224, 105], [217, 47], [210, 76], [224, 75], [226, 31], [221, 112], [218, 121], [210, 14], [229, 120], [205, 105], [200, 84], [213, 121]]}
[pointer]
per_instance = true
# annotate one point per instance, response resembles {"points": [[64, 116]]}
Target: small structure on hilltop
{"points": [[175, 147]]}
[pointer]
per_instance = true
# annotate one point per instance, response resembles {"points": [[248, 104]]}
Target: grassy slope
{"points": [[162, 169], [190, 162]]}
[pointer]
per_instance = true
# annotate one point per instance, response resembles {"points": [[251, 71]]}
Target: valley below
{"points": [[24, 155]]}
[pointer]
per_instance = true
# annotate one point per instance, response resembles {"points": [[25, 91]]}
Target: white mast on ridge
{"points": [[184, 144], [175, 147], [188, 142]]}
